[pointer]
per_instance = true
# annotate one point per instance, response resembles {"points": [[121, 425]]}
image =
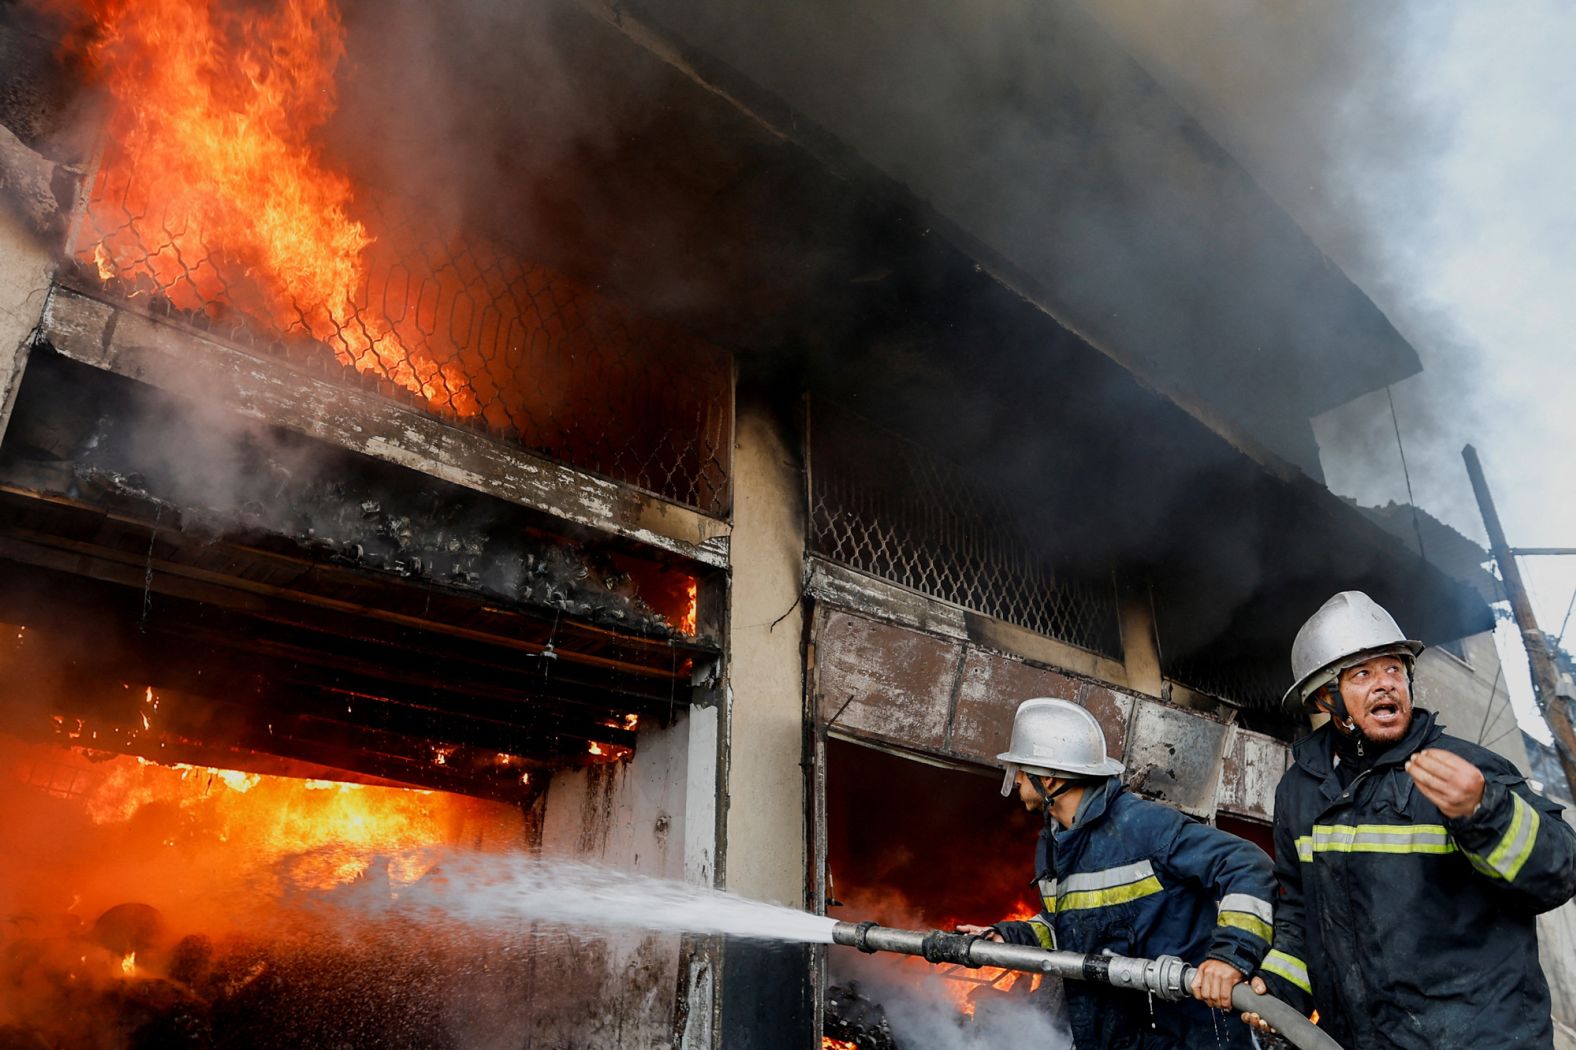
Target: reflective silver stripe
{"points": [[1107, 879], [1247, 903]]}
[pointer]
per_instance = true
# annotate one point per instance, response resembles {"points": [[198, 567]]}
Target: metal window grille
{"points": [[894, 509], [454, 326], [1247, 679]]}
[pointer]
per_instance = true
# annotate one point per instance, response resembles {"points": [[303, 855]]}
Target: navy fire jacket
{"points": [[1138, 878], [1406, 929]]}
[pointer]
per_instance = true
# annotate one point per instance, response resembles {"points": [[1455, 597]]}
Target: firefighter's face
{"points": [[1027, 795], [1379, 697]]}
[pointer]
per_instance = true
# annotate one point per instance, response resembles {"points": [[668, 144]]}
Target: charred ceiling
{"points": [[286, 598]]}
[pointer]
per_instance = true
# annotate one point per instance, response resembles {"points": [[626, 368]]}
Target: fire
{"points": [[608, 753], [330, 823], [828, 1043], [128, 965], [689, 622], [213, 157]]}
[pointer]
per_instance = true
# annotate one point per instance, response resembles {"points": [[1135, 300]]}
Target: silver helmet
{"points": [[1055, 738], [1348, 629]]}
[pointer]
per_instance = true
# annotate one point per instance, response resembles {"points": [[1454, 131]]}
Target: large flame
{"points": [[100, 829], [227, 199]]}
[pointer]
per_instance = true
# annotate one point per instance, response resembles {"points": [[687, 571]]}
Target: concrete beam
{"points": [[188, 364], [838, 585]]}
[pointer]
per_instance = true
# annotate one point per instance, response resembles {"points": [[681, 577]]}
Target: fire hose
{"points": [[1166, 977]]}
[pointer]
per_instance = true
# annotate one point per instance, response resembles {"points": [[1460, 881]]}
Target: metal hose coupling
{"points": [[1166, 977]]}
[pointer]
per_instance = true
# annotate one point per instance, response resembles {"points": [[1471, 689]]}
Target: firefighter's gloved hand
{"points": [[990, 933], [1213, 982], [1253, 1020], [1447, 780]]}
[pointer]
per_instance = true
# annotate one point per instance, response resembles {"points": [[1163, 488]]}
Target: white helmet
{"points": [[1348, 629], [1055, 738]]}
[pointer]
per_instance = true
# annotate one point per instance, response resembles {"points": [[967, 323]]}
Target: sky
{"points": [[1428, 148]]}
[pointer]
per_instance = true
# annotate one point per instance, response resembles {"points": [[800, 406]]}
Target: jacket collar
{"points": [[1316, 755], [1097, 799]]}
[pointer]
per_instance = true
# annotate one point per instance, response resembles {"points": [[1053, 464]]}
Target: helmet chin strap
{"points": [[1047, 797], [1341, 717]]}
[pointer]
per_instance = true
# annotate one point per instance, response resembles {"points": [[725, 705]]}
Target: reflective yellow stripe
{"points": [[1287, 967], [1043, 933], [1241, 920], [1375, 838], [1107, 897], [1508, 857]]}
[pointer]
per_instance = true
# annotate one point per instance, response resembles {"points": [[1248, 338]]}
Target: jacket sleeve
{"points": [[1038, 932], [1035, 932], [1285, 966], [1517, 840], [1238, 875]]}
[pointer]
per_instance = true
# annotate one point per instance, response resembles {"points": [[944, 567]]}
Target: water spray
{"points": [[1166, 977]]}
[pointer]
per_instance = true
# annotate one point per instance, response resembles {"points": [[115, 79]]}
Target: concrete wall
{"points": [[765, 789], [614, 988], [1471, 696], [1557, 949]]}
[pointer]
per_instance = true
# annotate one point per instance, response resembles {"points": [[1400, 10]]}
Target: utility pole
{"points": [[1545, 680]]}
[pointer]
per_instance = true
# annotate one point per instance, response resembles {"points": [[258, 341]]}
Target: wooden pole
{"points": [[1544, 677]]}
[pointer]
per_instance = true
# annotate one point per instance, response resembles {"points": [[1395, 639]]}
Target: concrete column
{"points": [[1140, 655], [764, 787], [26, 268]]}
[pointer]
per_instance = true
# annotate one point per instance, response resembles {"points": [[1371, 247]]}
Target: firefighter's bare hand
{"points": [[990, 933], [1253, 1020], [1213, 982], [1447, 780]]}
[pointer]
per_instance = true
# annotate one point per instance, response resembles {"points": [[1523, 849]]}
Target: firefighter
{"points": [[1120, 874], [1411, 863]]}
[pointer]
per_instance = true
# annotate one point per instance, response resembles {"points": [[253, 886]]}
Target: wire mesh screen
{"points": [[450, 324], [1247, 679], [896, 510]]}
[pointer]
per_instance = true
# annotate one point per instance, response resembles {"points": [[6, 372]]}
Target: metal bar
{"points": [[1541, 552]]}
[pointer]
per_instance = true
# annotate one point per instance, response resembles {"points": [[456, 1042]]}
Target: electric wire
{"points": [[1493, 692], [1407, 474], [1559, 638]]}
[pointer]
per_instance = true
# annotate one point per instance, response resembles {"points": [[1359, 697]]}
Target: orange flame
{"points": [[689, 622], [277, 816], [828, 1043], [216, 105]]}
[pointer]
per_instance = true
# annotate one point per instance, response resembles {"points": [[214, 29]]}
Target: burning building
{"points": [[567, 432]]}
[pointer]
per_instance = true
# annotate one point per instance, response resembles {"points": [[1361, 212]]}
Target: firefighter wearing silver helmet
{"points": [[1122, 874], [1411, 863]]}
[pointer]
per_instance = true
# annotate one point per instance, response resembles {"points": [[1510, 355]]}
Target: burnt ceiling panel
{"points": [[287, 598]]}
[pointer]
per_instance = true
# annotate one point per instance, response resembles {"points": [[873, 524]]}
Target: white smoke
{"points": [[1426, 147]]}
